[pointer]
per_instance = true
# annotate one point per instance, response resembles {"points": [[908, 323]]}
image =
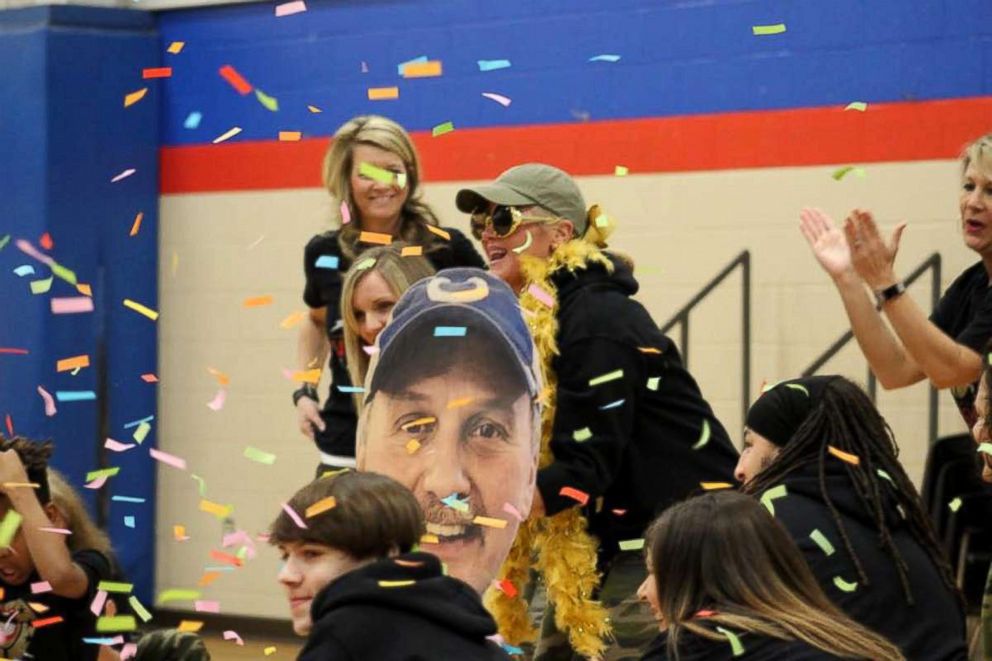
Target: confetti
{"points": [[141, 432], [260, 456], [74, 362], [450, 331], [606, 378], [345, 213], [543, 296], [236, 80], [840, 173], [166, 458], [46, 397], [269, 651], [764, 30], [460, 402], [381, 175], [422, 69], [139, 608], [441, 129], [96, 606], [218, 510], [222, 378], [292, 320], [71, 305], [383, 93], [226, 136], [736, 648], [290, 8], [179, 533], [290, 136], [653, 382], [375, 237], [612, 405], [605, 58], [704, 436], [954, 506], [580, 496], [177, 594], [217, 403], [455, 504], [156, 72], [57, 531], [493, 65], [985, 448], [498, 98], [258, 301], [821, 540], [175, 47], [24, 270], [113, 586], [428, 538], [844, 585], [581, 435], [771, 495], [37, 624], [528, 240], [489, 522], [232, 635], [395, 584], [321, 506], [620, 171], [411, 251], [117, 446], [137, 224], [860, 106], [41, 587], [507, 587], [268, 102], [438, 232], [510, 509], [202, 606], [75, 395], [141, 309], [314, 109], [632, 545], [134, 97], [293, 515], [102, 472], [192, 120], [85, 290], [11, 350], [129, 521], [844, 456], [412, 446]]}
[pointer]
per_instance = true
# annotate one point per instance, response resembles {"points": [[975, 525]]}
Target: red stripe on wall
{"points": [[808, 136]]}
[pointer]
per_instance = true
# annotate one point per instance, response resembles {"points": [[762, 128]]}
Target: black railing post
{"points": [[746, 333], [935, 278]]}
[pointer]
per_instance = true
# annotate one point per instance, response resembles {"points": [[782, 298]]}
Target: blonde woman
{"points": [[726, 581], [372, 173]]}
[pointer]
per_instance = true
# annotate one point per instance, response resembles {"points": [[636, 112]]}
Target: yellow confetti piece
{"points": [[736, 648], [412, 446], [704, 436], [261, 456], [581, 435], [141, 309], [258, 301], [844, 456], [773, 494], [860, 106], [844, 585], [116, 623], [489, 522], [821, 540], [227, 136], [134, 97], [376, 237], [178, 594], [290, 136], [269, 651], [954, 506], [191, 626], [632, 545], [428, 538], [383, 93], [137, 224], [606, 378], [649, 350], [292, 320], [9, 527], [764, 30], [139, 608], [308, 376], [428, 69], [620, 171], [460, 402], [395, 584], [321, 506], [175, 47], [412, 251], [84, 289], [711, 486], [38, 608], [314, 109], [218, 510], [407, 426], [653, 383], [179, 533], [438, 231]]}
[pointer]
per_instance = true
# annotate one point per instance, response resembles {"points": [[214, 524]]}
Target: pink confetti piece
{"points": [[96, 607], [97, 483], [167, 458], [206, 606], [72, 305], [541, 295], [345, 213], [513, 511], [240, 537], [123, 175], [41, 587], [293, 515], [57, 531], [117, 446], [217, 403], [50, 409], [290, 8], [498, 98], [233, 635], [370, 349], [129, 651]]}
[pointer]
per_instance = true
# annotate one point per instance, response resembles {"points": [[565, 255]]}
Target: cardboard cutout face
{"points": [[452, 417]]}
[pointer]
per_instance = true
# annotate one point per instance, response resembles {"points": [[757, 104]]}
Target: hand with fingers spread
{"points": [[827, 241], [872, 257]]}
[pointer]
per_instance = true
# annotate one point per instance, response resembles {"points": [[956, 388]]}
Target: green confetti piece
{"points": [[653, 382], [985, 447], [139, 608], [41, 286], [378, 174], [704, 436], [860, 106], [441, 129], [9, 526], [241, 553], [632, 545], [773, 494], [202, 483], [955, 504], [606, 378], [111, 586], [177, 594], [141, 432], [822, 541], [64, 273], [103, 472], [620, 171], [115, 623], [583, 434], [735, 642], [270, 102], [4, 241], [764, 30], [260, 456], [797, 386], [885, 476], [844, 585], [366, 263], [840, 173], [602, 220]]}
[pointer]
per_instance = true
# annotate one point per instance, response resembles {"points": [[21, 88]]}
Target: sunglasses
{"points": [[502, 220]]}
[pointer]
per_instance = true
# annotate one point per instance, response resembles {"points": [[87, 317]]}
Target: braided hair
{"points": [[848, 421]]}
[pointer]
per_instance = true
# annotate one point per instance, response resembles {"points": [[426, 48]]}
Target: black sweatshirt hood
{"points": [[432, 595], [596, 275]]}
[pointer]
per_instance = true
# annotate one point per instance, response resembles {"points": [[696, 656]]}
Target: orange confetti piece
{"points": [[412, 446], [37, 624], [412, 251], [376, 237], [308, 376], [84, 289], [710, 486], [290, 136], [208, 578], [460, 402], [75, 362], [648, 350], [429, 69], [134, 97], [236, 80], [192, 626], [508, 588], [222, 378], [175, 47], [383, 93], [156, 72], [321, 506], [179, 533], [292, 320], [580, 496], [46, 241], [440, 232], [149, 378], [137, 224], [844, 456], [216, 509], [259, 301], [226, 558]]}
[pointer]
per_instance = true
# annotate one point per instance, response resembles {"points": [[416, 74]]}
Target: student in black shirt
{"points": [[947, 348], [372, 171]]}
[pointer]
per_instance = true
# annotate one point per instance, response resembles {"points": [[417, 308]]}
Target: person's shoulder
{"points": [[972, 277], [100, 562], [325, 242]]}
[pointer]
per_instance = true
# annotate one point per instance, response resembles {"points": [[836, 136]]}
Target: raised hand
{"points": [[827, 241], [871, 256]]}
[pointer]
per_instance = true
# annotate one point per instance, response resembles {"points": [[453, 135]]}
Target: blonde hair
{"points": [[980, 153], [85, 533], [399, 273], [338, 163]]}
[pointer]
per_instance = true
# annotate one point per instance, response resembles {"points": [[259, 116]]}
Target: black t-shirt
{"points": [[964, 313], [323, 266], [61, 641], [754, 647]]}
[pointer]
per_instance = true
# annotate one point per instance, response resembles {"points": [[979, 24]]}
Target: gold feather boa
{"points": [[558, 546]]}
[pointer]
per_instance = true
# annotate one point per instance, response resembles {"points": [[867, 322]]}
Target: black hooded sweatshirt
{"points": [[934, 627], [756, 648], [628, 440], [435, 618]]}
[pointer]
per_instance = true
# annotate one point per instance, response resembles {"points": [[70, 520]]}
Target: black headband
{"points": [[781, 410]]}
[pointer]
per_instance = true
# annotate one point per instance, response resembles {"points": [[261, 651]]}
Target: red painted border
{"points": [[807, 136]]}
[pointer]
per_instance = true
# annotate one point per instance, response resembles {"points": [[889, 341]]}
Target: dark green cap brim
{"points": [[469, 200]]}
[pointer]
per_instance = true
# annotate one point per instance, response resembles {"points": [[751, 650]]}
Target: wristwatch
{"points": [[885, 295], [306, 390]]}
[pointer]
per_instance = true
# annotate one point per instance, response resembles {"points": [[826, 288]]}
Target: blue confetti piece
{"points": [[127, 499], [605, 58], [455, 504], [129, 521], [492, 65], [75, 395], [23, 270], [327, 262], [612, 405], [222, 568], [351, 389], [193, 120], [135, 423], [449, 331], [100, 641], [416, 60], [511, 650]]}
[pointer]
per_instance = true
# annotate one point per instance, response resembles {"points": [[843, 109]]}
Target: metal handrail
{"points": [[933, 264], [743, 260]]}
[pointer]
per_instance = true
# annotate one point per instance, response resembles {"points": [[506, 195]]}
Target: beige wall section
{"points": [[680, 228]]}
